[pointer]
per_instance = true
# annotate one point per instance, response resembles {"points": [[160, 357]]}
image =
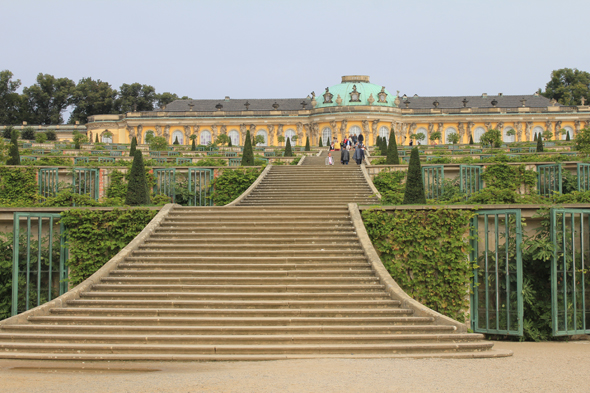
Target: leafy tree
{"points": [[149, 135], [28, 133], [46, 100], [7, 132], [3, 150], [582, 141], [164, 99], [51, 135], [392, 155], [470, 139], [547, 135], [418, 137], [435, 136], [288, 149], [143, 96], [491, 137], [281, 139], [10, 100], [41, 137], [92, 97], [294, 139], [307, 147], [158, 143], [176, 141], [414, 187], [510, 132], [248, 154], [568, 86], [540, 144], [133, 147], [453, 138], [222, 139], [14, 156], [137, 188], [258, 140], [78, 139]]}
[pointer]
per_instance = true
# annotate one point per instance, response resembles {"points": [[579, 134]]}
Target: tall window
{"points": [[570, 130], [288, 135], [354, 130], [179, 135], [107, 137], [265, 135], [235, 137], [449, 131], [537, 131], [326, 136], [205, 137], [477, 134], [384, 133]]}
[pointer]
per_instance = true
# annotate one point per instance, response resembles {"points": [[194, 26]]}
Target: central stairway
{"points": [[281, 275]]}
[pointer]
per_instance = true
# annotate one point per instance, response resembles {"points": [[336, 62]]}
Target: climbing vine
{"points": [[426, 253], [231, 184]]}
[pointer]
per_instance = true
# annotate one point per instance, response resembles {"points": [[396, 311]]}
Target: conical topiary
{"points": [[133, 147], [194, 146], [392, 156], [540, 144], [288, 150], [470, 139], [378, 142], [535, 138], [567, 136], [248, 154], [307, 147], [13, 154], [176, 141], [414, 187], [96, 139], [383, 146], [137, 191], [229, 144], [321, 144]]}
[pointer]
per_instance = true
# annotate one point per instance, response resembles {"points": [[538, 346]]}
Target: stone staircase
{"points": [[282, 275]]}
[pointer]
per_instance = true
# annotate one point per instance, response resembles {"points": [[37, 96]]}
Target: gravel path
{"points": [[535, 367]]}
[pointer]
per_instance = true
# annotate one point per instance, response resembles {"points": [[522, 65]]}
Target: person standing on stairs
{"points": [[329, 159], [345, 156], [361, 138], [359, 154]]}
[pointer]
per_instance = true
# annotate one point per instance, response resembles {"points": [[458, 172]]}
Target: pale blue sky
{"points": [[283, 49]]}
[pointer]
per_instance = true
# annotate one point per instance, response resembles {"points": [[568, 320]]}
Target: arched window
{"points": [[449, 131], [508, 138], [235, 137], [288, 135], [478, 133], [107, 137], [354, 130], [179, 135], [205, 137], [326, 136], [384, 133], [571, 132], [537, 131], [422, 131], [264, 135]]}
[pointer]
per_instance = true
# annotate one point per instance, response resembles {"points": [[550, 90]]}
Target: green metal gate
{"points": [[549, 179], [48, 182], [165, 182], [38, 269], [496, 299], [470, 179], [200, 185], [570, 275], [85, 182], [433, 177], [583, 177]]}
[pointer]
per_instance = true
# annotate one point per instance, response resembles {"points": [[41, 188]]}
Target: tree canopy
{"points": [[568, 86]]}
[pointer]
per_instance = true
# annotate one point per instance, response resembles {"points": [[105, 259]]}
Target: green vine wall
{"points": [[426, 252]]}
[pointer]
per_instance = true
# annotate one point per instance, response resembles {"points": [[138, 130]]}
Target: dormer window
{"points": [[382, 95], [328, 96], [355, 96]]}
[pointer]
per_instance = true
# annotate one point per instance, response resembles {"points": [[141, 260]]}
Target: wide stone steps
{"points": [[242, 267], [134, 287], [111, 295]]}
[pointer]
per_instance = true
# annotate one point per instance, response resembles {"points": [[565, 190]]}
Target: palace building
{"points": [[353, 106]]}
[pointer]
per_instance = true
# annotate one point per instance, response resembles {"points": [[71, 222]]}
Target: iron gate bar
{"points": [[433, 178], [495, 297], [165, 179], [470, 179], [583, 171], [48, 181], [205, 177], [549, 179]]}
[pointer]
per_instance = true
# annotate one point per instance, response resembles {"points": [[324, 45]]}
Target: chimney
{"points": [[484, 95], [226, 98], [500, 94]]}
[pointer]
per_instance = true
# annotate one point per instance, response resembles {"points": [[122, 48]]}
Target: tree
{"points": [[193, 146], [41, 137], [158, 143], [547, 135], [419, 137], [321, 144], [581, 141], [149, 135], [45, 101], [137, 190], [258, 140], [294, 139], [491, 137], [378, 142], [28, 133], [288, 150], [281, 139], [92, 97], [7, 132], [3, 150], [470, 139], [13, 154], [539, 144], [453, 138], [10, 100], [96, 139], [568, 86], [222, 139], [510, 132], [414, 187], [78, 139], [138, 96], [392, 155], [248, 154], [229, 144], [307, 147], [164, 99], [535, 137], [176, 141], [133, 147], [435, 136], [567, 136], [383, 147], [51, 135]]}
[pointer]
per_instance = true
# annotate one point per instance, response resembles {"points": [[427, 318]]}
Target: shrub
{"points": [[176, 141], [137, 188], [193, 146], [378, 141], [581, 141], [540, 144], [288, 150], [41, 137], [133, 147], [96, 139], [7, 132], [248, 154], [51, 135], [392, 155], [414, 186], [28, 133], [118, 187], [470, 139], [78, 139], [307, 147], [321, 145], [391, 186], [158, 143], [14, 156], [232, 183]]}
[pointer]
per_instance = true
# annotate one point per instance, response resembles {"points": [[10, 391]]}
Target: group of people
{"points": [[347, 144]]}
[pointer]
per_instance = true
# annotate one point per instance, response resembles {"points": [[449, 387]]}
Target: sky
{"points": [[285, 49]]}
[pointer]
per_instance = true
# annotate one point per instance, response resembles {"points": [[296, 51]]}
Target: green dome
{"points": [[356, 87]]}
